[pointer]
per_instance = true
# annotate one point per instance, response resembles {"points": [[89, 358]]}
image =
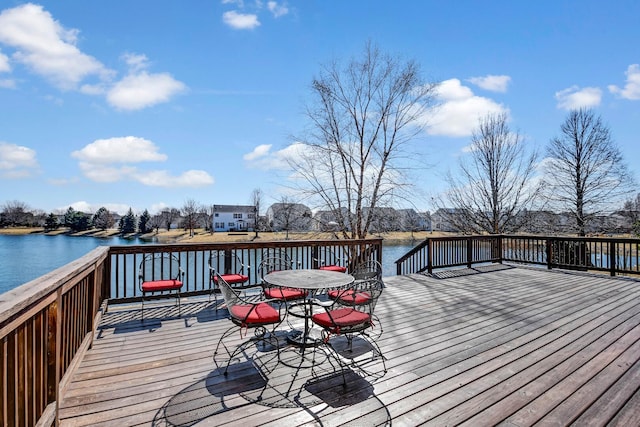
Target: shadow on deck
{"points": [[511, 345]]}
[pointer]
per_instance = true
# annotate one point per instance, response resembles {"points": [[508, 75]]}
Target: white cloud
{"points": [[5, 67], [240, 21], [191, 178], [631, 89], [16, 161], [80, 206], [46, 47], [158, 207], [105, 173], [136, 62], [140, 89], [259, 152], [492, 83], [460, 110], [128, 149], [91, 208], [263, 158], [113, 159], [574, 97], [276, 9]]}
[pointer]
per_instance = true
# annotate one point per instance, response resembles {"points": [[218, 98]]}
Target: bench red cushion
{"points": [[161, 285], [341, 317], [259, 314], [337, 268], [232, 278], [351, 296], [285, 294]]}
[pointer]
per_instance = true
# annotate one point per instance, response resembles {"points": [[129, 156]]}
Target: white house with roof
{"points": [[234, 217]]}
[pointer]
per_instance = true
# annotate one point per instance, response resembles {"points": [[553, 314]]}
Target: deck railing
{"points": [[616, 256], [194, 260], [48, 324]]}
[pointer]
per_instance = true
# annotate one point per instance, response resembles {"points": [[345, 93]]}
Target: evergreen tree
{"points": [[69, 216], [144, 222], [76, 221], [128, 223], [51, 223]]}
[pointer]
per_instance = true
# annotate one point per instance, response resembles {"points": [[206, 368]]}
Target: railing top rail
{"points": [[576, 238], [161, 247]]}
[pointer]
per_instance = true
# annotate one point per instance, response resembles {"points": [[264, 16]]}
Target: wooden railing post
{"points": [[315, 259], [54, 350], [430, 256], [613, 258], [549, 250], [469, 252]]}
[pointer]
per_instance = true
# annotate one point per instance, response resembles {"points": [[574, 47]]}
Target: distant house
{"points": [[233, 218], [383, 219], [411, 220], [288, 217], [441, 220], [330, 221]]}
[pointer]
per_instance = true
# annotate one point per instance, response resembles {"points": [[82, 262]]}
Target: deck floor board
{"points": [[512, 345]]}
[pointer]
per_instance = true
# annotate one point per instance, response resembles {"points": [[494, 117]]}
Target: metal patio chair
{"points": [[278, 263], [228, 265], [160, 273], [248, 313], [350, 315], [328, 259]]}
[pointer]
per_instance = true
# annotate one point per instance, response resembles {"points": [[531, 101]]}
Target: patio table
{"points": [[315, 282]]}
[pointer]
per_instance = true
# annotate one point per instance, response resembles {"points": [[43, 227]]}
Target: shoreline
{"points": [[202, 236]]}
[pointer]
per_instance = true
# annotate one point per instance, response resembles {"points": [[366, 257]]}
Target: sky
{"points": [[147, 104]]}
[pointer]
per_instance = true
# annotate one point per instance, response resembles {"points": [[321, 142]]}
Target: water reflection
{"points": [[27, 257]]}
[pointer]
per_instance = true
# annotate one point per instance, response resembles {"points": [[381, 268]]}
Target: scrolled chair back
{"points": [[369, 269], [275, 263], [231, 296], [159, 266], [362, 295], [226, 262]]}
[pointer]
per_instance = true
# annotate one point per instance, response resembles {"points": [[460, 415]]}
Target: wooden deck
{"points": [[510, 346]]}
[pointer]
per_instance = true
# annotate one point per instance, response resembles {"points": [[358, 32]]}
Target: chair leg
{"points": [[179, 306], [220, 341], [331, 352], [142, 310]]}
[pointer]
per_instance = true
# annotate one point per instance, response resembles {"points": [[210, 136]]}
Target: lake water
{"points": [[27, 257]]}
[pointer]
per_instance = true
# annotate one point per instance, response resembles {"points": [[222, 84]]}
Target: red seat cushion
{"points": [[232, 278], [161, 285], [337, 268], [341, 317], [285, 294], [351, 296], [259, 314]]}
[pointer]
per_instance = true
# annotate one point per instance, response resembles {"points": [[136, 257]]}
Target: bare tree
{"points": [[256, 200], [168, 216], [156, 221], [494, 187], [190, 211], [362, 117], [15, 213], [585, 170]]}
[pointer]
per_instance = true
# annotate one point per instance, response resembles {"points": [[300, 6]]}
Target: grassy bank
{"points": [[202, 236]]}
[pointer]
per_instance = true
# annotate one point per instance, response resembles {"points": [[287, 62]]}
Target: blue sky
{"points": [[146, 104]]}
